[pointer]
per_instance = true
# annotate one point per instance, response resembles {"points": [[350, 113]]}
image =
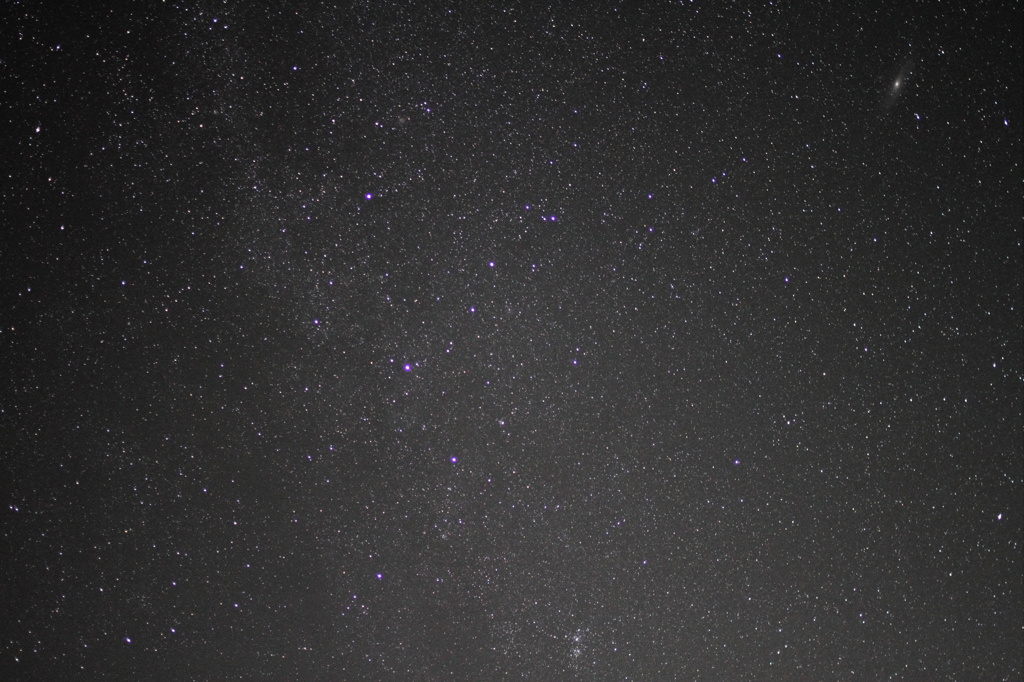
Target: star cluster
{"points": [[526, 341]]}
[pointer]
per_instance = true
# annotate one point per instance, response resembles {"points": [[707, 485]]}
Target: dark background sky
{"points": [[547, 341]]}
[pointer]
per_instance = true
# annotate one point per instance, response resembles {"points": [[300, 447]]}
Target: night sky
{"points": [[548, 341]]}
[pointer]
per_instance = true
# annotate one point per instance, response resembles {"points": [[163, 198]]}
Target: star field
{"points": [[417, 341]]}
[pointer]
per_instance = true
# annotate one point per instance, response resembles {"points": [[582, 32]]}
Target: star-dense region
{"points": [[476, 341]]}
